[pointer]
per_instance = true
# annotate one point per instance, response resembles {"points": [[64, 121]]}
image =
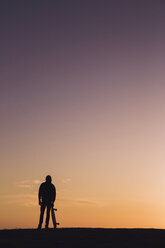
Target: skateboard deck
{"points": [[54, 217]]}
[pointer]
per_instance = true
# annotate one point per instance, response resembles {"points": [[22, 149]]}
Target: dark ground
{"points": [[82, 237]]}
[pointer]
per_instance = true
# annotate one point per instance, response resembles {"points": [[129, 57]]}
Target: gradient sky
{"points": [[82, 98]]}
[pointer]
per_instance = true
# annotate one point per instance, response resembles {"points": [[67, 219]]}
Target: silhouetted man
{"points": [[46, 198]]}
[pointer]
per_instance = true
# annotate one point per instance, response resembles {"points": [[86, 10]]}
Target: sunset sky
{"points": [[82, 98]]}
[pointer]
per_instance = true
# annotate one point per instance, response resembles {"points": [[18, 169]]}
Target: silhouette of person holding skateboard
{"points": [[46, 198]]}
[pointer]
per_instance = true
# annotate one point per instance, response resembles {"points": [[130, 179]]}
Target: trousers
{"points": [[44, 206]]}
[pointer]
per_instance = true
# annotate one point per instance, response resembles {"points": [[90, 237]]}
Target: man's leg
{"points": [[42, 210], [47, 215], [53, 217]]}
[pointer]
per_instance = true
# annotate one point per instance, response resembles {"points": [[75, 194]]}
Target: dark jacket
{"points": [[47, 193]]}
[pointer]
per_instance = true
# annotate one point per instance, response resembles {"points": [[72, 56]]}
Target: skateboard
{"points": [[54, 217]]}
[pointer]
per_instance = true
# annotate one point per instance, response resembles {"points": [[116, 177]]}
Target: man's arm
{"points": [[40, 195], [54, 194]]}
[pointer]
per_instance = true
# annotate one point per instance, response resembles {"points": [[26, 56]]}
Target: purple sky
{"points": [[69, 52]]}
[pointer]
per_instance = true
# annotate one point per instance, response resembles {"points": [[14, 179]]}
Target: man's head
{"points": [[48, 179]]}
